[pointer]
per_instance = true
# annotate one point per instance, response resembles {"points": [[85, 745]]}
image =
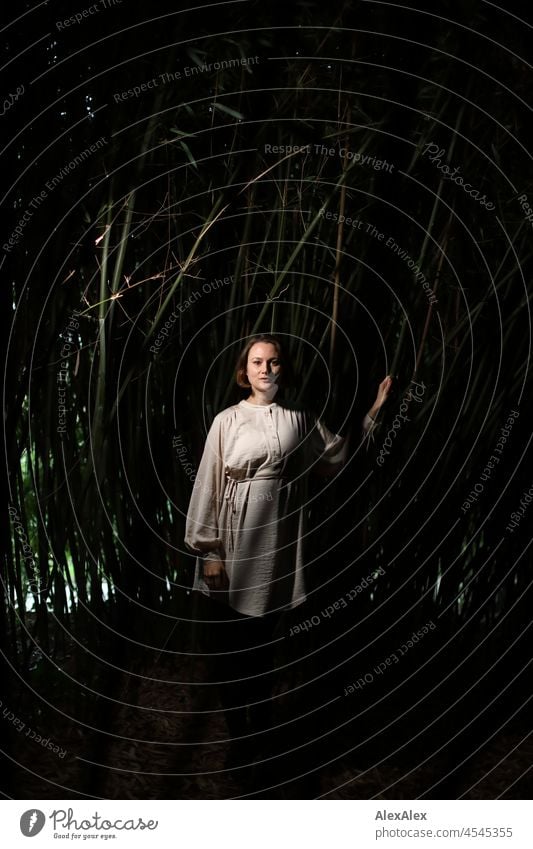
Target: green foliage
{"points": [[193, 196]]}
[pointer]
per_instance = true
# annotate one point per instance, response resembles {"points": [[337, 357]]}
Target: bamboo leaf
{"points": [[228, 111]]}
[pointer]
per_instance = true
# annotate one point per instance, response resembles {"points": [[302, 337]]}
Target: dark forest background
{"points": [[170, 202]]}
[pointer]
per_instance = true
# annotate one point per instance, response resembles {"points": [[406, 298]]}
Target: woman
{"points": [[246, 522]]}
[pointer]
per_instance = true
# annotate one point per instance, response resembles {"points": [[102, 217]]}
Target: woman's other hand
{"points": [[214, 574]]}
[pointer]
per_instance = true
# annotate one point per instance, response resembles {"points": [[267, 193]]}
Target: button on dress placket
{"points": [[273, 435]]}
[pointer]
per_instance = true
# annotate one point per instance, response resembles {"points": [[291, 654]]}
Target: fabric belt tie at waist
{"points": [[230, 494], [231, 491]]}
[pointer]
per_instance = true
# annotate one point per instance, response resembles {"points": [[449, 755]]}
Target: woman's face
{"points": [[263, 368]]}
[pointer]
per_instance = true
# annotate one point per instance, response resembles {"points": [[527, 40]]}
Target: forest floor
{"points": [[165, 741]]}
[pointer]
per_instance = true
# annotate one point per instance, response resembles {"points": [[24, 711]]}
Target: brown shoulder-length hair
{"points": [[287, 373]]}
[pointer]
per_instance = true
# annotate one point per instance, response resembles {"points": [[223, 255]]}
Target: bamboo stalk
{"points": [[336, 285]]}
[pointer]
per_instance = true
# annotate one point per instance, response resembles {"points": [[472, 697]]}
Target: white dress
{"points": [[248, 503]]}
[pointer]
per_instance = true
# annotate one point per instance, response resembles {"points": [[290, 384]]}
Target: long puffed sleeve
{"points": [[328, 448], [369, 425], [332, 449], [202, 533]]}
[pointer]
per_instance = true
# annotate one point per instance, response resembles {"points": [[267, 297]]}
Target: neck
{"points": [[262, 399]]}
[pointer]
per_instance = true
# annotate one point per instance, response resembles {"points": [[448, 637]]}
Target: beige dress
{"points": [[248, 505]]}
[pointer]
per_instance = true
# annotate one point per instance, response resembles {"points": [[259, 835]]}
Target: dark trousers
{"points": [[242, 653], [240, 663]]}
